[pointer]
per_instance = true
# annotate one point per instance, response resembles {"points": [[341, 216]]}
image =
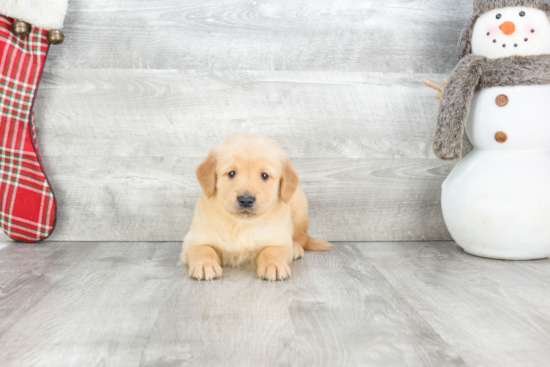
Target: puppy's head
{"points": [[249, 174]]}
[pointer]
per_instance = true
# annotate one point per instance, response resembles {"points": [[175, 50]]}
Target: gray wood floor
{"points": [[141, 90], [363, 304]]}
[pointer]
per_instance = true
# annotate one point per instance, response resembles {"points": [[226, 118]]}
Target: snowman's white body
{"points": [[496, 201]]}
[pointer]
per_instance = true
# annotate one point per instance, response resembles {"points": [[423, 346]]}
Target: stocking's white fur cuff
{"points": [[47, 14]]}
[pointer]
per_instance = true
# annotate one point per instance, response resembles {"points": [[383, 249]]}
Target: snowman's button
{"points": [[501, 137], [502, 100]]}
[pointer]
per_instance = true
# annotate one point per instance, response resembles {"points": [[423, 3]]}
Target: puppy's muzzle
{"points": [[246, 201]]}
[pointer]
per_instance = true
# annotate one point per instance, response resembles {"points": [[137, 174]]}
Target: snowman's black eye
{"points": [[522, 14], [499, 16]]}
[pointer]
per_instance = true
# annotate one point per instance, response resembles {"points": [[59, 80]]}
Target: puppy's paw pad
{"points": [[205, 270], [273, 271], [298, 252]]}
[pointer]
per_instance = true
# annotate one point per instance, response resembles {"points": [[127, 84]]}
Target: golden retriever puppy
{"points": [[251, 211]]}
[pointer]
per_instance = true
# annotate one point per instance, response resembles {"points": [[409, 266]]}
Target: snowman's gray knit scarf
{"points": [[476, 72]]}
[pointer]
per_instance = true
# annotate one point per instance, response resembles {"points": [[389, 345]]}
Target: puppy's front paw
{"points": [[205, 270], [274, 270]]}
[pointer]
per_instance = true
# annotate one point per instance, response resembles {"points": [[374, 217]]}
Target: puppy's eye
{"points": [[522, 14], [499, 16], [232, 174], [265, 176]]}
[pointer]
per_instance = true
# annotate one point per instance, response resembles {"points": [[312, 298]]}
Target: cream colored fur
{"points": [[47, 14], [271, 235]]}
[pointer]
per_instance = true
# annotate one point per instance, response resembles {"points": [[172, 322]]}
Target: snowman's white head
{"points": [[515, 30]]}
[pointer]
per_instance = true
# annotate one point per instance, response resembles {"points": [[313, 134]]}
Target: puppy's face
{"points": [[249, 175], [248, 186]]}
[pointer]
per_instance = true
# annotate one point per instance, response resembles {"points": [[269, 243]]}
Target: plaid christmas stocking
{"points": [[27, 203]]}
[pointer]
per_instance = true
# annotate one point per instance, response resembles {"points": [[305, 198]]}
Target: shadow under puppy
{"points": [[251, 211]]}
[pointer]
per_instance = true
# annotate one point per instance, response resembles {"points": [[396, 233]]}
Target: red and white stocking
{"points": [[27, 203]]}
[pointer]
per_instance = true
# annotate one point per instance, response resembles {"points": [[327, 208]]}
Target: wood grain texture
{"points": [[119, 198], [30, 271], [482, 324], [109, 302], [139, 183], [337, 310], [184, 113], [416, 36], [140, 91], [375, 304]]}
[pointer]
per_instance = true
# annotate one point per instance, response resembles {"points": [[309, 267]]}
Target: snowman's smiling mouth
{"points": [[515, 44]]}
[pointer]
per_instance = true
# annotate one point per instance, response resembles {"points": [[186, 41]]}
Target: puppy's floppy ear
{"points": [[289, 181], [206, 174]]}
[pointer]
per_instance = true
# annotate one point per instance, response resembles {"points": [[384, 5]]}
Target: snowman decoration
{"points": [[496, 201]]}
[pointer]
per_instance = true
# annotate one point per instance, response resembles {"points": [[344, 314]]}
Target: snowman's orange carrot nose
{"points": [[508, 28]]}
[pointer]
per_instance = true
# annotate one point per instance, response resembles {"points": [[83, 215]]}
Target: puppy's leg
{"points": [[298, 250], [298, 205], [273, 263], [204, 263]]}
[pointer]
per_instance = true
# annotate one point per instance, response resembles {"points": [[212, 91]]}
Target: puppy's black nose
{"points": [[246, 201]]}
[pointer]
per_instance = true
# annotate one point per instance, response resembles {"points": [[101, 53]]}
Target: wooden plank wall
{"points": [[140, 90]]}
